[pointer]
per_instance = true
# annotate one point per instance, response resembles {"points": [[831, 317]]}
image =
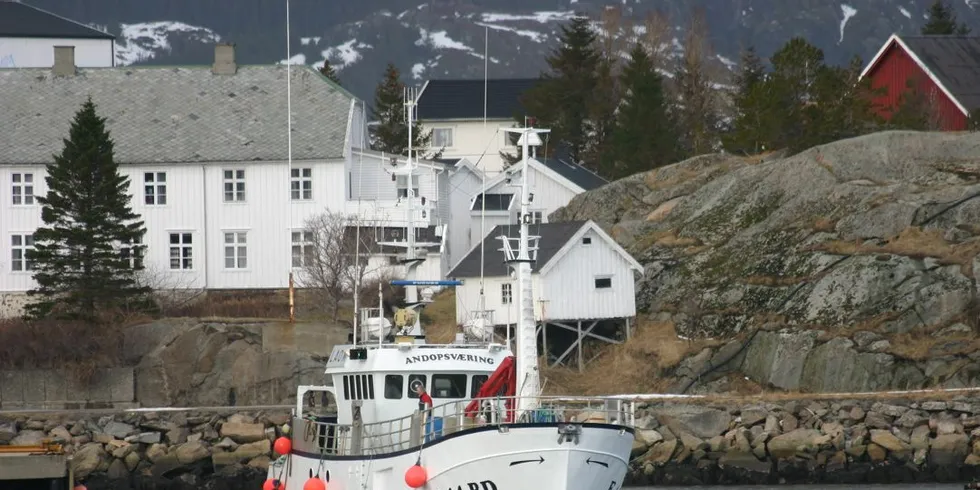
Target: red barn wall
{"points": [[894, 70]]}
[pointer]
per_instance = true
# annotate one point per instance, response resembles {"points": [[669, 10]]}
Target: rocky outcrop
{"points": [[875, 235], [807, 441], [183, 449]]}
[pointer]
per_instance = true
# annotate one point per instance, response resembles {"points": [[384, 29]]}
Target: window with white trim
{"points": [[182, 251], [506, 294], [401, 184], [19, 245], [442, 137], [236, 250], [132, 251], [301, 184], [234, 185], [22, 189], [587, 240], [155, 188], [302, 248], [604, 282]]}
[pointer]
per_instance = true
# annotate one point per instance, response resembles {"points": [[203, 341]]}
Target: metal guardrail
{"points": [[411, 431]]}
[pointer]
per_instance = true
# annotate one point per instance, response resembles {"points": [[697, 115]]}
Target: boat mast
{"points": [[411, 257], [528, 376]]}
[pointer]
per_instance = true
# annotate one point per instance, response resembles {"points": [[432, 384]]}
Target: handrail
{"points": [[418, 428]]}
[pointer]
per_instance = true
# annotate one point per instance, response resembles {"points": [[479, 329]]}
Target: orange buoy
{"points": [[80, 487], [283, 445], [415, 477], [272, 484], [314, 484]]}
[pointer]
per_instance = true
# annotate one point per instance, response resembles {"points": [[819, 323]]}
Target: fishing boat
{"points": [[397, 411]]}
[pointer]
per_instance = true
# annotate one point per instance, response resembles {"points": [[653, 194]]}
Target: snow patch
{"points": [[848, 12], [305, 41], [440, 40], [905, 12], [142, 41], [347, 53], [296, 59], [532, 35], [540, 17], [417, 70], [727, 62]]}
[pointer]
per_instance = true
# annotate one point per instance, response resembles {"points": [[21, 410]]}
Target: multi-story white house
{"points": [[206, 152], [28, 36], [464, 127]]}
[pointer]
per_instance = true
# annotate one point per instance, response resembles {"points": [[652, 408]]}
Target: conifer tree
{"points": [[329, 72], [391, 133], [81, 256], [697, 112], [644, 136], [752, 127], [796, 66], [942, 21]]}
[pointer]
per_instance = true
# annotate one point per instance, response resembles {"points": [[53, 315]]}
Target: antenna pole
{"points": [[289, 166], [486, 70], [411, 291]]}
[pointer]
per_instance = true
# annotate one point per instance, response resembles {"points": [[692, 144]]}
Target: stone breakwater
{"points": [[821, 441], [192, 450]]}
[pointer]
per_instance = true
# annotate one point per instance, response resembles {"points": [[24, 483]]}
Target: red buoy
{"points": [[314, 484], [415, 477], [283, 445], [272, 484], [80, 487]]}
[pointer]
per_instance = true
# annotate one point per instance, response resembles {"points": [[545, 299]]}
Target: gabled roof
{"points": [[556, 240], [578, 174], [951, 62], [21, 20], [463, 99], [176, 115]]}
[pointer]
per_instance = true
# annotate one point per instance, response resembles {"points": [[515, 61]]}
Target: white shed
{"points": [[28, 36], [581, 277]]}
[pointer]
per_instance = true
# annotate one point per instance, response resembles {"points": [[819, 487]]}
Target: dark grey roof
{"points": [[176, 115], [955, 60], [463, 99], [578, 174], [495, 201], [554, 236], [21, 20]]}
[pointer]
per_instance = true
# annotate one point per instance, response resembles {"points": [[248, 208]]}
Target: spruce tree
{"points": [[329, 72], [942, 21], [796, 66], [752, 124], [644, 136], [81, 256], [391, 133]]}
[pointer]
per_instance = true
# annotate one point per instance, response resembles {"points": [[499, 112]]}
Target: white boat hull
{"points": [[522, 457]]}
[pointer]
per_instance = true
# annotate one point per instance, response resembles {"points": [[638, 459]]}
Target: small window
{"points": [[603, 282], [234, 185], [442, 137], [359, 387], [394, 386], [506, 294], [132, 251], [181, 251], [448, 386], [478, 381], [587, 241], [155, 188], [22, 189], [19, 246], [302, 253], [236, 250], [401, 185], [301, 184], [412, 380]]}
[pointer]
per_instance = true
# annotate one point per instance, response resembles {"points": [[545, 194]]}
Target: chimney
{"points": [[64, 61], [224, 59]]}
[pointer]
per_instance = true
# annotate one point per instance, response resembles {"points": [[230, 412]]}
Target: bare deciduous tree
{"points": [[657, 39], [697, 98], [328, 258]]}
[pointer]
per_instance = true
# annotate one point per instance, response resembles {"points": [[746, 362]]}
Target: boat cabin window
{"points": [[394, 386], [412, 379], [448, 385], [359, 387], [478, 381]]}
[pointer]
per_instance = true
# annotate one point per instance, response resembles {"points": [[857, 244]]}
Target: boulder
{"points": [[191, 452], [89, 459], [788, 444], [241, 432]]}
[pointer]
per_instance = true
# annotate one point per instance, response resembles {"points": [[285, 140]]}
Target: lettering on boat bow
{"points": [[450, 357], [483, 485]]}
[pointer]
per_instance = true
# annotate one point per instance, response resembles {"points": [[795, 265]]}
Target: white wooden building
{"points": [[28, 36], [205, 149], [581, 277]]}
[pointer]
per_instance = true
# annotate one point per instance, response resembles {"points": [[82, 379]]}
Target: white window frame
{"points": [[235, 246], [443, 131], [233, 184], [595, 282], [301, 248], [401, 185], [506, 293], [135, 259], [22, 188], [184, 246], [301, 184], [20, 243], [155, 188]]}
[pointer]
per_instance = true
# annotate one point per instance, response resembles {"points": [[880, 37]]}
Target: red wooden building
{"points": [[944, 69]]}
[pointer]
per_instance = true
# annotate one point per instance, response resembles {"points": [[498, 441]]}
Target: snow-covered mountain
{"points": [[449, 38]]}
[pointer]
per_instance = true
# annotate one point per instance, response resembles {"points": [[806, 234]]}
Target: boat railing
{"points": [[421, 427]]}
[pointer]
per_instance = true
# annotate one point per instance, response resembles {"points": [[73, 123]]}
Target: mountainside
{"points": [[445, 38]]}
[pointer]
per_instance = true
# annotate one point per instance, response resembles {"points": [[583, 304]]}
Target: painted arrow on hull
{"points": [[539, 461], [589, 461]]}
